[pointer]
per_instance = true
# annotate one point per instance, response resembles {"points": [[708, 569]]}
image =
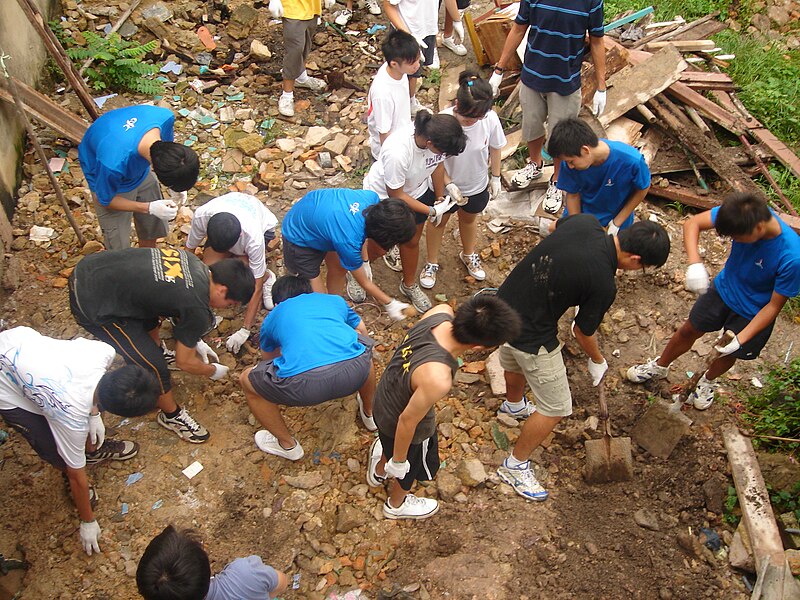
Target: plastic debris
{"points": [[102, 100], [133, 478], [193, 469], [172, 67], [3, 436], [296, 581], [124, 510], [375, 29], [41, 234], [157, 504], [56, 164], [712, 541], [756, 382]]}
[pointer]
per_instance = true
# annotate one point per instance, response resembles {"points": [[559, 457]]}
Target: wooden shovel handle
{"points": [[726, 339]]}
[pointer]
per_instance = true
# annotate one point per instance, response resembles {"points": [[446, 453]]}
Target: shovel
{"points": [[608, 459]]}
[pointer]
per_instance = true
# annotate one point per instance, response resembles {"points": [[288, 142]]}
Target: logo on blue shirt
{"points": [[354, 208], [609, 183], [130, 123]]}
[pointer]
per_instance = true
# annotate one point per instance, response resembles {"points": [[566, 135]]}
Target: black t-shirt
{"points": [[147, 283], [574, 266], [394, 389]]}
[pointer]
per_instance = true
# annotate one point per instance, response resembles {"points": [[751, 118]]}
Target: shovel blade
{"points": [[608, 460]]}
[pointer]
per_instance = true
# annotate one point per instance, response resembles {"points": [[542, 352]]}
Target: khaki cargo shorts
{"points": [[546, 375]]}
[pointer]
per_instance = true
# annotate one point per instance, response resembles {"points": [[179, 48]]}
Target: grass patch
{"points": [[775, 409]]}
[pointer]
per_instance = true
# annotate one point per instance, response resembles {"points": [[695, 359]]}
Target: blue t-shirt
{"points": [[555, 46], [753, 271], [312, 330], [605, 188], [331, 220], [244, 579], [109, 154]]}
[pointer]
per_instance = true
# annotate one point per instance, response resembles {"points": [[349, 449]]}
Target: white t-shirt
{"points": [[255, 219], [388, 107], [420, 16], [402, 164], [470, 169], [56, 379]]}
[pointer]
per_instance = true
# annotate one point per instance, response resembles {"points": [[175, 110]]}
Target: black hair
{"points": [[474, 96], [648, 240], [400, 46], [223, 231], [290, 286], [739, 214], [176, 166], [389, 223], [486, 321], [569, 136], [236, 276], [129, 391], [174, 566], [443, 131]]}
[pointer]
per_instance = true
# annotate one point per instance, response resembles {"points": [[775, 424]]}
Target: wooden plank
{"points": [[650, 144], [778, 149], [492, 33], [644, 81], [513, 141], [683, 45], [616, 60], [684, 195], [690, 77], [46, 111], [624, 130], [670, 161], [448, 87], [480, 53], [702, 31], [684, 29], [702, 86], [681, 91]]}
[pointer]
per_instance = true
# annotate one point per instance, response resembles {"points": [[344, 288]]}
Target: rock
{"points": [[793, 557], [227, 114], [91, 247], [250, 144], [646, 520], [353, 466], [244, 113], [740, 554], [471, 472], [130, 568], [448, 485], [338, 144], [317, 136], [286, 144], [11, 275], [715, 490], [314, 168], [259, 51], [761, 22], [305, 481], [507, 420], [232, 162], [779, 14], [249, 125], [348, 517], [241, 21]]}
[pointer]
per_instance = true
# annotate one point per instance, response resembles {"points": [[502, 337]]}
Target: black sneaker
{"points": [[93, 497], [113, 450], [169, 357], [185, 426]]}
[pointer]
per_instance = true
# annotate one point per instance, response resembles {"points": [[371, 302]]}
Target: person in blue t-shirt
{"points": [[116, 154], [760, 275], [551, 75], [357, 226], [175, 566], [315, 348], [604, 178]]}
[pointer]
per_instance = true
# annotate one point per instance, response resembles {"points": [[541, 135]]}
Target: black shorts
{"points": [[129, 337], [423, 458], [710, 313], [302, 261], [461, 4], [475, 204], [36, 430], [427, 54], [428, 199]]}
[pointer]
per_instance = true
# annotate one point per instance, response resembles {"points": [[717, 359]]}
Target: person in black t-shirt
{"points": [[575, 266], [119, 297], [420, 373]]}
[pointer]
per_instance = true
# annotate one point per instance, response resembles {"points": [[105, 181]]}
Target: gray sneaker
{"points": [[523, 481], [354, 291], [312, 83], [649, 370], [185, 426], [552, 199], [417, 297], [113, 450]]}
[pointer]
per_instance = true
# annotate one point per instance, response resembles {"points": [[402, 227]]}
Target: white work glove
{"points": [[597, 371], [328, 3], [612, 228], [458, 29], [97, 430], [220, 371], [163, 209], [90, 536], [697, 278], [495, 80], [275, 9], [455, 193], [235, 342], [494, 187], [599, 103], [367, 270], [178, 198], [439, 210], [730, 347], [421, 41], [205, 352], [395, 309], [396, 469]]}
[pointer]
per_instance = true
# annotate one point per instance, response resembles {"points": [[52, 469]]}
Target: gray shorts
{"points": [[550, 107], [315, 386], [302, 261], [36, 430], [296, 45], [116, 224], [546, 375]]}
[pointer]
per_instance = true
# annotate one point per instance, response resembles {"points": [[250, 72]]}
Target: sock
{"points": [[515, 406], [513, 463], [293, 445], [172, 415], [303, 77], [287, 95]]}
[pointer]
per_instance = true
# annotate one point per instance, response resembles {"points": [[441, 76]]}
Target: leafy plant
{"points": [[732, 514], [775, 410], [117, 63], [433, 78], [784, 501], [677, 207]]}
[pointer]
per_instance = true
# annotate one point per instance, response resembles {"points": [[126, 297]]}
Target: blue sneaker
{"points": [[522, 413], [523, 481]]}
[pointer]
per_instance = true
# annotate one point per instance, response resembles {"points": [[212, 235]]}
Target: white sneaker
{"points": [[523, 481], [373, 7], [520, 413], [473, 264], [368, 421], [552, 199], [392, 259], [312, 83], [354, 290], [411, 508], [703, 395], [455, 48], [268, 443], [435, 61], [266, 291], [286, 105], [523, 178], [427, 277], [649, 370], [184, 426], [343, 18], [375, 454]]}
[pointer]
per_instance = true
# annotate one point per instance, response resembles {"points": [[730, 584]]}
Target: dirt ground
{"points": [[317, 520]]}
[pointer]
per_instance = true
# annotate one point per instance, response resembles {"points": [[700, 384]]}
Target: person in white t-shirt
{"points": [[467, 171], [238, 225], [388, 103], [407, 160], [53, 391]]}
